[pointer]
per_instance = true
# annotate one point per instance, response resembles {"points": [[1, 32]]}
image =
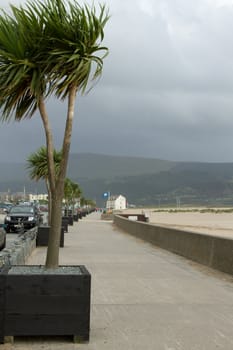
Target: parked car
{"points": [[4, 207], [22, 217], [2, 238]]}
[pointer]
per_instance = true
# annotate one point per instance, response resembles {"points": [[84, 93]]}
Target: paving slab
{"points": [[143, 297]]}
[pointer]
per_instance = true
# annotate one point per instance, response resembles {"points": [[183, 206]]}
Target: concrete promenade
{"points": [[143, 298]]}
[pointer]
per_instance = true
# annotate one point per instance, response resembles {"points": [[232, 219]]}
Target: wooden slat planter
{"points": [[3, 273], [65, 223], [42, 237], [40, 302], [69, 219]]}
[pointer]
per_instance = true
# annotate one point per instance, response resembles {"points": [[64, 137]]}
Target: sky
{"points": [[166, 90]]}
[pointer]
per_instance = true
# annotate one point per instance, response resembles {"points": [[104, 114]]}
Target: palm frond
{"points": [[37, 163], [47, 47]]}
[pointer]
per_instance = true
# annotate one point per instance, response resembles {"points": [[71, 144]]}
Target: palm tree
{"points": [[49, 47], [88, 202], [72, 192], [38, 166]]}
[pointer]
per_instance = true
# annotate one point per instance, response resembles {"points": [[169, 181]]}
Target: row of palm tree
{"points": [[49, 47], [72, 192]]}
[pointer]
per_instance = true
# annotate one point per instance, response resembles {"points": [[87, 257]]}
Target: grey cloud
{"points": [[166, 89]]}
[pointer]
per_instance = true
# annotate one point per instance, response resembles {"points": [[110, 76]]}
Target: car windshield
{"points": [[21, 209]]}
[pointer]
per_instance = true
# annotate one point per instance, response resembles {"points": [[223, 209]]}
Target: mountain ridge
{"points": [[142, 180], [105, 166]]}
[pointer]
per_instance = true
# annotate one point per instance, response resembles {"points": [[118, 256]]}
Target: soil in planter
{"points": [[41, 269]]}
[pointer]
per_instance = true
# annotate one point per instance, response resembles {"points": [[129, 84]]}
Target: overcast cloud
{"points": [[166, 89]]}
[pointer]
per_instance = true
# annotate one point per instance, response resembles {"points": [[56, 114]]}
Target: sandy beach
{"points": [[220, 224]]}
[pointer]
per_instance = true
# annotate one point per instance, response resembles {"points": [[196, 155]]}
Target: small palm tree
{"points": [[38, 166], [72, 192], [49, 47]]}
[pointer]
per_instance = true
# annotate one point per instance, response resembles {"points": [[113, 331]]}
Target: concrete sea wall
{"points": [[212, 251]]}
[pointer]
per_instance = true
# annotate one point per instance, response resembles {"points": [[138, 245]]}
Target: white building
{"points": [[116, 202], [37, 197]]}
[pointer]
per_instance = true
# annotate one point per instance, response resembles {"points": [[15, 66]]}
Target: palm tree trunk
{"points": [[67, 136], [49, 144], [57, 184], [55, 195], [52, 258]]}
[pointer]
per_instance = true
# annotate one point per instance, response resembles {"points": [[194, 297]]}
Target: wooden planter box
{"points": [[69, 219], [42, 237], [3, 273], [35, 301], [65, 223]]}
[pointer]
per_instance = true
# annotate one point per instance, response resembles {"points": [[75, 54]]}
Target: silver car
{"points": [[2, 238]]}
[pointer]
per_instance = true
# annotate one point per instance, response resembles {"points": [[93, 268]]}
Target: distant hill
{"points": [[98, 166], [143, 181]]}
